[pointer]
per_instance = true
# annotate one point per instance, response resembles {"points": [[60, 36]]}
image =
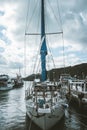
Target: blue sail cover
{"points": [[43, 50], [43, 53]]}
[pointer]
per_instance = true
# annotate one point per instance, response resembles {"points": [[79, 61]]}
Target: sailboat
{"points": [[6, 82], [44, 105], [18, 81]]}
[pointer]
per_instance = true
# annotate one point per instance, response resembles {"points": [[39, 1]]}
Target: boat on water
{"points": [[6, 83], [64, 77], [78, 93], [63, 83], [18, 81], [44, 104]]}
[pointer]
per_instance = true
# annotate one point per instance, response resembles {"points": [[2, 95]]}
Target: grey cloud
{"points": [[74, 26], [15, 65], [2, 49], [3, 61]]}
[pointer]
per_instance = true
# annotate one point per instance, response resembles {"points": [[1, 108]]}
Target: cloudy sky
{"points": [[12, 34]]}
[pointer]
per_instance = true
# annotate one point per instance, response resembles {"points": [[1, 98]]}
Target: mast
{"points": [[43, 50]]}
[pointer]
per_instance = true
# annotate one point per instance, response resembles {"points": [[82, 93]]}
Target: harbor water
{"points": [[13, 114]]}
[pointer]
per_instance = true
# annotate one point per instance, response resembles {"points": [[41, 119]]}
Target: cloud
{"points": [[12, 30], [15, 65], [2, 60], [11, 34], [74, 20], [1, 49]]}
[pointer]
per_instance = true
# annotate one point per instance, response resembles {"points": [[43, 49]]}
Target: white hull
{"points": [[8, 87], [6, 83], [47, 120]]}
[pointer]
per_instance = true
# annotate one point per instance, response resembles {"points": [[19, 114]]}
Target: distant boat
{"points": [[64, 78], [44, 105], [18, 81], [78, 93], [6, 83]]}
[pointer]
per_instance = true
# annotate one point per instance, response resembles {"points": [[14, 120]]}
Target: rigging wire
{"points": [[31, 15], [63, 54], [25, 59], [28, 7], [59, 15], [28, 24], [61, 28], [54, 13], [59, 32], [47, 39], [25, 41], [51, 54], [38, 68], [62, 34], [46, 33], [36, 42]]}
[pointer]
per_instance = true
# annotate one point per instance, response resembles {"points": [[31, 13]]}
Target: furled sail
{"points": [[43, 50]]}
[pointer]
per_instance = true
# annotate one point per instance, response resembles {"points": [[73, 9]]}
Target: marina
{"points": [[13, 114], [78, 93], [47, 40]]}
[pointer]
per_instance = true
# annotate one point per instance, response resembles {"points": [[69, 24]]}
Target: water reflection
{"points": [[13, 114], [12, 109]]}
